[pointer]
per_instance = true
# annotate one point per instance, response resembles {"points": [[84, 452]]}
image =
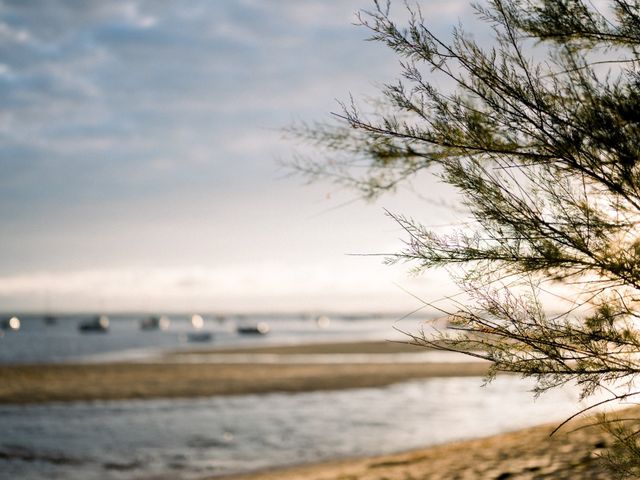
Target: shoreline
{"points": [[525, 454], [68, 383], [320, 348], [529, 453], [134, 380]]}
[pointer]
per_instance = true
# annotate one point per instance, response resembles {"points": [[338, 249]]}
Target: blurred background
{"points": [[141, 158], [173, 303]]}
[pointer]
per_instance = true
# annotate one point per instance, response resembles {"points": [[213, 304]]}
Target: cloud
{"points": [[244, 287], [13, 35], [141, 133]]}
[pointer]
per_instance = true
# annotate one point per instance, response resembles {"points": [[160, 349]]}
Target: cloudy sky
{"points": [[139, 158]]}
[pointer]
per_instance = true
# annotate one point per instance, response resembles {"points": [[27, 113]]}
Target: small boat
{"points": [[323, 321], [155, 323], [260, 328], [98, 324], [50, 320], [12, 323], [200, 336], [197, 321]]}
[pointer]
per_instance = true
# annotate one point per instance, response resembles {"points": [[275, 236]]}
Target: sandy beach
{"points": [[112, 381], [524, 455], [374, 347]]}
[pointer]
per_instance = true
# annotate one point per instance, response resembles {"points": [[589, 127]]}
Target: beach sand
{"points": [[375, 347], [111, 381], [524, 455]]}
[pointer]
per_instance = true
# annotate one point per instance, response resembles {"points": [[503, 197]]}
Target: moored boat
{"points": [[98, 324], [260, 328], [12, 323], [155, 323], [199, 335], [203, 336]]}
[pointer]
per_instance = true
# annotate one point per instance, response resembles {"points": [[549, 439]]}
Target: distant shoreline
{"points": [[23, 384]]}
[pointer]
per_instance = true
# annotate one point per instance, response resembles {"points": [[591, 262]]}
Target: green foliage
{"points": [[540, 136]]}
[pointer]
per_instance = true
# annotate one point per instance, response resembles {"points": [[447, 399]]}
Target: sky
{"points": [[141, 151]]}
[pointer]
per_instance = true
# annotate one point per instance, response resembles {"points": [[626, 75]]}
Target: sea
{"points": [[206, 437]]}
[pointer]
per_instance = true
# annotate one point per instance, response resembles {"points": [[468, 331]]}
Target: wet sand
{"points": [[378, 347], [111, 381], [524, 455]]}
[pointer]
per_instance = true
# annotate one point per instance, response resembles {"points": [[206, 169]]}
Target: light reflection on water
{"points": [[199, 437]]}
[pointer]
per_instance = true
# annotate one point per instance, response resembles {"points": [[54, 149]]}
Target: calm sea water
{"points": [[195, 438], [37, 342], [189, 439]]}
